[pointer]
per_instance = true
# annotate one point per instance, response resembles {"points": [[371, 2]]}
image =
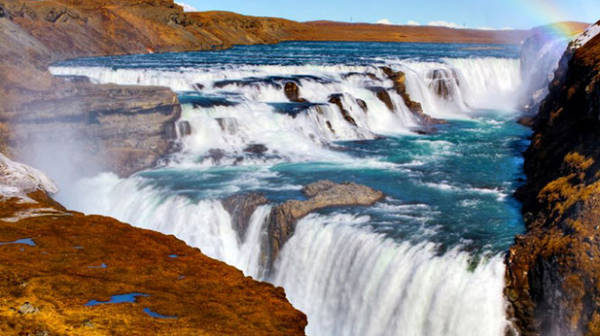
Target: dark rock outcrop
{"points": [[322, 194], [553, 277], [241, 207], [399, 80], [362, 104], [292, 92], [443, 82], [184, 128], [129, 131], [256, 149], [336, 99], [384, 96]]}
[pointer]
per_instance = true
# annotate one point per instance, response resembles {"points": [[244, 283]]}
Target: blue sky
{"points": [[468, 13]]}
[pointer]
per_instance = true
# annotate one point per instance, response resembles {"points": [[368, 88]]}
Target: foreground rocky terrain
{"points": [[55, 263], [553, 275]]}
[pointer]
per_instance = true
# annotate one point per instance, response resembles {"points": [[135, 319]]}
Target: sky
{"points": [[518, 14]]}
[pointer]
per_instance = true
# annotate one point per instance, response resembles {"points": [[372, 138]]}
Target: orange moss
{"points": [[562, 193], [60, 274], [578, 161]]}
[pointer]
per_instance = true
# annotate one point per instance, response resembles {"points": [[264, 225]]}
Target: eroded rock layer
{"points": [[322, 194]]}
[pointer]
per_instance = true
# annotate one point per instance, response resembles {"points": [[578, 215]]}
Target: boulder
{"points": [[216, 154], [321, 194], [256, 149], [328, 123], [399, 80], [292, 92]]}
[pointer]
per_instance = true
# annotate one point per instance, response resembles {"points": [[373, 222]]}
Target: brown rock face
{"points": [[73, 259], [336, 99], [362, 104], [292, 92], [384, 96], [399, 80], [553, 277], [322, 194], [241, 207], [443, 82], [130, 130]]}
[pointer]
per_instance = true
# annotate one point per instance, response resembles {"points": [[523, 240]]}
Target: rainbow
{"points": [[553, 11]]}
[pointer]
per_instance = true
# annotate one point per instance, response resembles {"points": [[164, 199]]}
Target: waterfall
{"points": [[350, 281], [230, 109], [348, 277]]}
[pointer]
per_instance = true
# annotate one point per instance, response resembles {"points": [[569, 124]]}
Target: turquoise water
{"points": [[302, 53], [427, 260], [459, 180], [454, 187]]}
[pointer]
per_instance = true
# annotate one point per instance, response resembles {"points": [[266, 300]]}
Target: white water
{"points": [[480, 83], [349, 280], [204, 224]]}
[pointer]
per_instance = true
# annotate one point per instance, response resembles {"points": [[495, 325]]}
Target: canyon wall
{"points": [[553, 274]]}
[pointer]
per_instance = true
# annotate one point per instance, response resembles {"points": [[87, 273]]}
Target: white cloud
{"points": [[186, 7], [384, 22], [446, 24], [442, 23]]}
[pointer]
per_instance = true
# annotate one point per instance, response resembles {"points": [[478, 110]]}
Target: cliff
{"points": [[553, 274], [59, 270]]}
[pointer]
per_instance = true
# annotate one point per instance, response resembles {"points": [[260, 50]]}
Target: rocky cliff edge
{"points": [[553, 274]]}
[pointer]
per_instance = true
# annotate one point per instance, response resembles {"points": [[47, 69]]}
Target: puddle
{"points": [[173, 256], [122, 298], [26, 241], [103, 265], [157, 315]]}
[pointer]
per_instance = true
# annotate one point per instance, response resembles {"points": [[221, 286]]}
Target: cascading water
{"points": [[360, 283], [425, 261]]}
